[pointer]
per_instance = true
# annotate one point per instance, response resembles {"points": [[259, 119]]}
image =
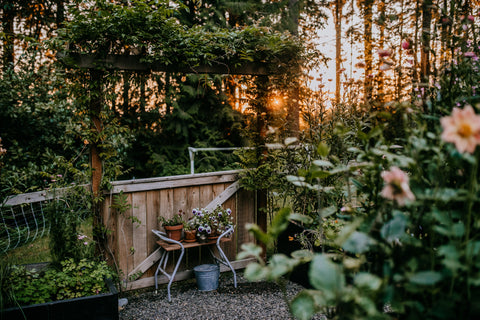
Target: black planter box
{"points": [[98, 307]]}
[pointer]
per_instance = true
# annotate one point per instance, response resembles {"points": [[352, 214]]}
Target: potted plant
{"points": [[211, 225], [201, 222], [190, 231], [221, 219], [173, 226]]}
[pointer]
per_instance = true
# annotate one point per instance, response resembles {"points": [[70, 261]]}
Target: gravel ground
{"points": [[259, 300]]}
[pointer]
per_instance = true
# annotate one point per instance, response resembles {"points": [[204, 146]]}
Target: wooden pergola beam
{"points": [[137, 63]]}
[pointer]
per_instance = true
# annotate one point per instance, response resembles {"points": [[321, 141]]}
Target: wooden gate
{"points": [[131, 242]]}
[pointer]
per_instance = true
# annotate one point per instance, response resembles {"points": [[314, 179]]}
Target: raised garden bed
{"points": [[97, 307]]}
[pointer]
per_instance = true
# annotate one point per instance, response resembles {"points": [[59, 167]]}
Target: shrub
{"points": [[71, 280]]}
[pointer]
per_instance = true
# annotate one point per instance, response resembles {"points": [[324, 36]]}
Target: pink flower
{"points": [[406, 44], [384, 53], [471, 18], [462, 128], [396, 186], [470, 54]]}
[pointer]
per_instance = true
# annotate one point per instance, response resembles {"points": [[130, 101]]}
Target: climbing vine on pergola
{"points": [[145, 38]]}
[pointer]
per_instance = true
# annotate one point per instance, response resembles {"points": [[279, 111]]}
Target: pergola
{"points": [[97, 66]]}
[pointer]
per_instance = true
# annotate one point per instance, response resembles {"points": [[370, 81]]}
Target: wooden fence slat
{"points": [[139, 228], [224, 196], [147, 263], [169, 182], [164, 197]]}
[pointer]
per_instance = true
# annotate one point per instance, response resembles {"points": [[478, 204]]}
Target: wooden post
{"points": [[96, 105], [260, 105]]}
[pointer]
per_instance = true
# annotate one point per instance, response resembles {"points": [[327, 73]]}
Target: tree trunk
{"points": [[381, 43], [425, 52], [293, 118], [9, 37], [96, 105], [368, 48], [60, 12], [338, 45]]}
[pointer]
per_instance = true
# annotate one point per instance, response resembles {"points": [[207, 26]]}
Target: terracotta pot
{"points": [[190, 235], [174, 232]]}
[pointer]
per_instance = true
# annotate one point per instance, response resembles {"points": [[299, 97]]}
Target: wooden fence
{"points": [[133, 245]]}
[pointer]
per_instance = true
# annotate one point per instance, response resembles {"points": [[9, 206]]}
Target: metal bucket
{"points": [[207, 276]]}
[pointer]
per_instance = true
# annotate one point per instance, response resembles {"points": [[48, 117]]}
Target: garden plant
{"points": [[409, 247]]}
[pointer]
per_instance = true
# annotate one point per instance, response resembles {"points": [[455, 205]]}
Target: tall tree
{"points": [[338, 15], [425, 42], [367, 9], [8, 16]]}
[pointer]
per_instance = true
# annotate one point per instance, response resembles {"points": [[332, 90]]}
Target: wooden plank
{"points": [[230, 249], [206, 195], [135, 63], [168, 184], [187, 245], [39, 196], [224, 196], [153, 206], [180, 200], [110, 223], [183, 275], [147, 263], [213, 175], [139, 227], [124, 240], [245, 214]]}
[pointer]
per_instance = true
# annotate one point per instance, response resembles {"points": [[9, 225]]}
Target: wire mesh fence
{"points": [[22, 224], [24, 218]]}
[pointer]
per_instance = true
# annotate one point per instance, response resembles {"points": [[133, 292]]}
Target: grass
{"points": [[39, 251]]}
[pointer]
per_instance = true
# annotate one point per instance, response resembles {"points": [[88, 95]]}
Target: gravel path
{"points": [[259, 300]]}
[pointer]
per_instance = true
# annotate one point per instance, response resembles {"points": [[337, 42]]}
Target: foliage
{"points": [[409, 241], [7, 297], [65, 214], [71, 280], [176, 220], [110, 28], [211, 222]]}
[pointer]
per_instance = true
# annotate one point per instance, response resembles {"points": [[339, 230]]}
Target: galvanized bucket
{"points": [[207, 276]]}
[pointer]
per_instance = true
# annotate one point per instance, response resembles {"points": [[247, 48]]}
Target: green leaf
{"points": [[297, 181], [255, 272], [258, 233], [425, 278], [249, 250], [323, 149], [320, 174], [368, 281], [303, 306], [280, 222], [303, 255], [280, 265], [322, 163], [358, 242], [394, 229], [452, 259], [326, 212], [300, 218], [326, 276]]}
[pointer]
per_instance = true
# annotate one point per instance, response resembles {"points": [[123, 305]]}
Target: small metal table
{"points": [[168, 245]]}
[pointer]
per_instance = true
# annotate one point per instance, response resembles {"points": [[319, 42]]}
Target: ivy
{"points": [[153, 32]]}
